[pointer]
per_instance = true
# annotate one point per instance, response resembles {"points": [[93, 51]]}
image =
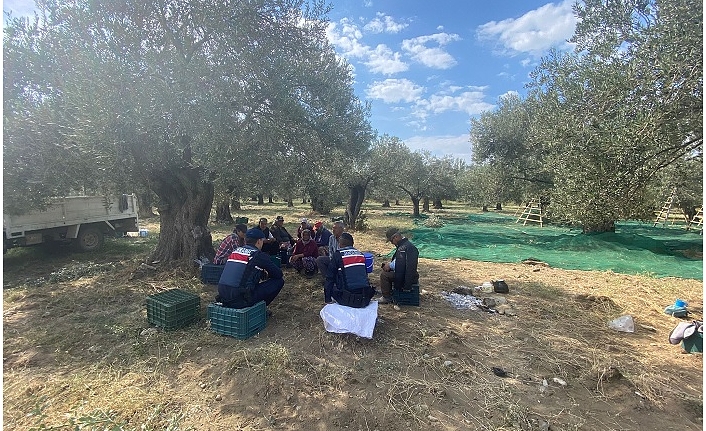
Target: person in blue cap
{"points": [[249, 276]]}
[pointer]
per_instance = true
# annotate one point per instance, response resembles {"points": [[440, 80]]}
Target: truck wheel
{"points": [[89, 239]]}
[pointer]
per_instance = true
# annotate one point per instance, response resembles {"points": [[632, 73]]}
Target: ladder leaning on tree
{"points": [[663, 216], [532, 213]]}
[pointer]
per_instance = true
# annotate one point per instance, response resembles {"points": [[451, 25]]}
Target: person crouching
{"points": [[346, 278], [241, 284]]}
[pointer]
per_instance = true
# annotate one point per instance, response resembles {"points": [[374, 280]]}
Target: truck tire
{"points": [[89, 238]]}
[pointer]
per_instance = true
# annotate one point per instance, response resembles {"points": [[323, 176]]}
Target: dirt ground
{"points": [[78, 350]]}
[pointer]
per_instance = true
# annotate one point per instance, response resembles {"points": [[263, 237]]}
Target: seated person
{"points": [[304, 225], [284, 239], [325, 254], [270, 245], [241, 284], [321, 236], [347, 280], [304, 254], [230, 243]]}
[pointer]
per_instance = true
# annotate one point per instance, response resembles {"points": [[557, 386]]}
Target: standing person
{"points": [[284, 239], [304, 254], [270, 245], [322, 262], [241, 284], [402, 270], [230, 243], [347, 280]]}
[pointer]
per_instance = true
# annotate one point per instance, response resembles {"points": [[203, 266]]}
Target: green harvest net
{"points": [[634, 248]]}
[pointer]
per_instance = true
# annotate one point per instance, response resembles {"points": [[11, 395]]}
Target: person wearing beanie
{"points": [[230, 243], [346, 277], [321, 235], [402, 270], [249, 276]]}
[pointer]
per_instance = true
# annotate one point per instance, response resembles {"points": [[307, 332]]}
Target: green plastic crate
{"points": [[211, 273], [241, 323], [173, 309], [406, 298]]}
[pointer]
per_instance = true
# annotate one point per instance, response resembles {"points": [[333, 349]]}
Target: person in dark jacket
{"points": [[346, 277], [243, 283], [269, 244], [402, 270], [284, 239]]}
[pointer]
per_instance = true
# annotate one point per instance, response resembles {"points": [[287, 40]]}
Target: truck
{"points": [[80, 220]]}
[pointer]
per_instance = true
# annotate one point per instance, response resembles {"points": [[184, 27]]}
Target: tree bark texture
{"points": [[223, 214], [425, 205], [144, 205], [185, 202], [386, 203], [415, 204], [438, 205], [355, 203]]}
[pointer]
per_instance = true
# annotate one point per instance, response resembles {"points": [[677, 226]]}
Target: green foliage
{"points": [[601, 123]]}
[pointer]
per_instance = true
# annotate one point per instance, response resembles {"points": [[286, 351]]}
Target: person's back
{"points": [[347, 279], [241, 284]]}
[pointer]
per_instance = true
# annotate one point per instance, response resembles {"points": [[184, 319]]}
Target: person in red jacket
{"points": [[304, 254]]}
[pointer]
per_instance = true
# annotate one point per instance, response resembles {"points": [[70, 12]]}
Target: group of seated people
{"points": [[300, 254], [251, 276]]}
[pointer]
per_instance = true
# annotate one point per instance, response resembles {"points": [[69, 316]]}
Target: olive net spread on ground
{"points": [[634, 248]]}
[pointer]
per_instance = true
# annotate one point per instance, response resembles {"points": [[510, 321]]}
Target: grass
{"points": [[78, 353]]}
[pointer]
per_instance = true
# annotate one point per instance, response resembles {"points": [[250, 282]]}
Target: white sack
{"points": [[358, 321]]}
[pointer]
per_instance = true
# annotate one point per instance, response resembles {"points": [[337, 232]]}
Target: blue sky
{"points": [[427, 67]]}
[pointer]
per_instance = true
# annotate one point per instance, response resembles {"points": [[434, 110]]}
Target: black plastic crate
{"points": [[406, 298], [173, 309], [211, 273], [241, 323]]}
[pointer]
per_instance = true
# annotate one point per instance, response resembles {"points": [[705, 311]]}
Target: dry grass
{"points": [[77, 356]]}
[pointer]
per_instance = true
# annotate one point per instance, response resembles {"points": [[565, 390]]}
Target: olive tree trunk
{"points": [[185, 201]]}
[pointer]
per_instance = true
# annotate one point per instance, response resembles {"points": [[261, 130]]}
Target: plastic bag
{"points": [[342, 319], [623, 324]]}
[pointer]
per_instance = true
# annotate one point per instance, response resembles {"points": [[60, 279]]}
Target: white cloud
{"points": [[534, 32], [346, 36], [435, 56], [455, 146], [368, 3], [383, 60], [384, 24], [471, 102], [394, 91]]}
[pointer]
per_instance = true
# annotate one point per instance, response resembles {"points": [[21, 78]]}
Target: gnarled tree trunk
{"points": [[437, 204], [223, 214], [425, 205], [144, 205], [386, 203], [185, 202], [355, 202]]}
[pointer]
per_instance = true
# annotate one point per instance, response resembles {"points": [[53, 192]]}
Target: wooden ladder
{"points": [[532, 213], [697, 222], [663, 216]]}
